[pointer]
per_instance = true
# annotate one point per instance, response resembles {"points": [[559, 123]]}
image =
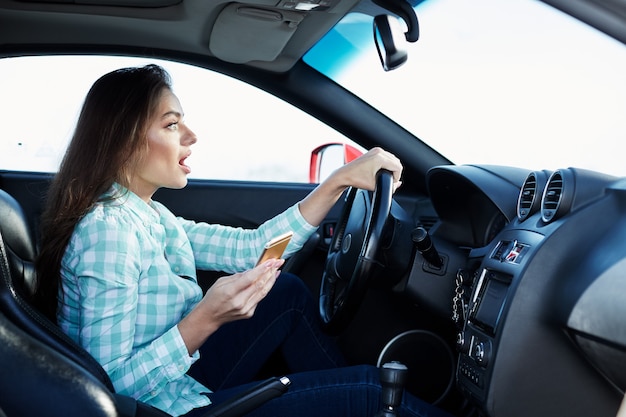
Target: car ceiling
{"points": [[275, 36], [277, 32]]}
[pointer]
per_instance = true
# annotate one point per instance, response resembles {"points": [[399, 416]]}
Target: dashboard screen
{"points": [[491, 300]]}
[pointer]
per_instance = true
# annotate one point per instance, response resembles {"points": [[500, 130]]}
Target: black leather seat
{"points": [[18, 241], [45, 373], [35, 380]]}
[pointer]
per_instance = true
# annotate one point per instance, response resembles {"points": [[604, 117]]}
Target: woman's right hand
{"points": [[235, 297], [231, 298], [360, 173]]}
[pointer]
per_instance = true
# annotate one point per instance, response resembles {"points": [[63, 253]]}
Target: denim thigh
{"points": [[286, 321]]}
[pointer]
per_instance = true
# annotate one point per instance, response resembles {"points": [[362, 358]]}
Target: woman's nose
{"points": [[189, 137]]}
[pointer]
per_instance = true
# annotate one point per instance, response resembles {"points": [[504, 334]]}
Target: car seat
{"points": [[38, 381], [46, 373], [18, 240]]}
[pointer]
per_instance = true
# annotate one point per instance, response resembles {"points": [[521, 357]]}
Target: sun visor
{"points": [[244, 33]]}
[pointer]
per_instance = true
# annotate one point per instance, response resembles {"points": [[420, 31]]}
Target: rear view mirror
{"points": [[389, 39]]}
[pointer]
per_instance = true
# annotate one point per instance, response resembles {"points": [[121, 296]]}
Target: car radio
{"points": [[476, 341]]}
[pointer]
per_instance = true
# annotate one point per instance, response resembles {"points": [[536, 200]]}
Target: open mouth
{"points": [[185, 167]]}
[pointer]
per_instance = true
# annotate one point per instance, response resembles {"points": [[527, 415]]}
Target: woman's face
{"points": [[169, 142]]}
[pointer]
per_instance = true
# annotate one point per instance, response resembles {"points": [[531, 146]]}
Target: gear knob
{"points": [[393, 376]]}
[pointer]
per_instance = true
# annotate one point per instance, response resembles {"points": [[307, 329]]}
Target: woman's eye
{"points": [[173, 126]]}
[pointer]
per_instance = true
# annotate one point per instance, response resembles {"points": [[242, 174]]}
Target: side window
{"points": [[243, 133]]}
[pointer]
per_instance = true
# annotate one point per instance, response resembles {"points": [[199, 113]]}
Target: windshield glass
{"points": [[511, 82]]}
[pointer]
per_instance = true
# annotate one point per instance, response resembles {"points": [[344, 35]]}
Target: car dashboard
{"points": [[535, 263]]}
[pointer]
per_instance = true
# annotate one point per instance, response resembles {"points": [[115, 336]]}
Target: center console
{"points": [[493, 286]]}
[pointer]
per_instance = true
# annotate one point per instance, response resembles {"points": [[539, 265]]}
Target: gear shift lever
{"points": [[392, 379], [424, 244]]}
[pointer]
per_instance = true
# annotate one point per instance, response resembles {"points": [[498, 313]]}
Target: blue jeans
{"points": [[321, 384]]}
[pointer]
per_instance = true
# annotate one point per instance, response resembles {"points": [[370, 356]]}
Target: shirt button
{"points": [[153, 393], [176, 269]]}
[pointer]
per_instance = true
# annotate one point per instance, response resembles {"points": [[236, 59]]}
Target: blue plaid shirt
{"points": [[129, 276]]}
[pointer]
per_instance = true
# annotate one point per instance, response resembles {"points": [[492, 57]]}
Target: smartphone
{"points": [[274, 248]]}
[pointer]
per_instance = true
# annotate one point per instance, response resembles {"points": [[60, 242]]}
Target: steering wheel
{"points": [[352, 253]]}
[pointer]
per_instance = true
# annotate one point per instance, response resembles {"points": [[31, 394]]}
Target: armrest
{"points": [[247, 401]]}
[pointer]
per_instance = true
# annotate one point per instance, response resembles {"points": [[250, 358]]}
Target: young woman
{"points": [[117, 270]]}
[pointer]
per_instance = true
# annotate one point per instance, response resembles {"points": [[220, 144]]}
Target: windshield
{"points": [[511, 82]]}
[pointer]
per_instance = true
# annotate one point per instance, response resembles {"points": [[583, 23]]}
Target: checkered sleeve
{"points": [[234, 249]]}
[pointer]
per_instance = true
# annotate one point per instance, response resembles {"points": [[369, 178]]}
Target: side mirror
{"points": [[328, 157]]}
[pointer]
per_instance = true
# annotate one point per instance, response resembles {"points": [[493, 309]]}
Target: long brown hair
{"points": [[110, 137]]}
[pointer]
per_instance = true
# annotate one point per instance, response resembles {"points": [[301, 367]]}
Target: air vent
{"points": [[527, 197], [553, 197], [529, 200]]}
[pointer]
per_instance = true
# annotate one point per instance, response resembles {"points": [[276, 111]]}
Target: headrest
{"points": [[18, 240]]}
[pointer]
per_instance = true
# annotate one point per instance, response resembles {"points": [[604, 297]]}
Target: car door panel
{"points": [[233, 203]]}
